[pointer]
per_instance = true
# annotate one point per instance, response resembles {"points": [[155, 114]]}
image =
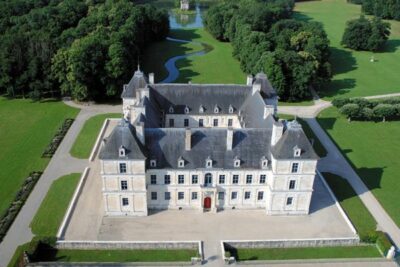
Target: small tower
{"points": [[184, 5]]}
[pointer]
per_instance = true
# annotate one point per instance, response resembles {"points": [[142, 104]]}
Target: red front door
{"points": [[207, 203]]}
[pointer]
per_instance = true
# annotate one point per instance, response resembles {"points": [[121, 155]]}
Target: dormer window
{"points": [[122, 151], [264, 163], [201, 109], [216, 109], [171, 109], [153, 163], [187, 110], [230, 109], [208, 162], [181, 162], [236, 162], [297, 151]]}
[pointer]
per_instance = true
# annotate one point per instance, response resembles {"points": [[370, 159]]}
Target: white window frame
{"points": [[234, 195], [187, 110], [181, 163], [181, 195], [153, 195], [123, 200], [294, 182], [120, 167], [124, 185], [195, 176], [181, 176], [263, 178], [258, 195], [167, 195], [247, 195], [186, 122], [295, 168], [153, 163], [233, 178], [151, 179], [236, 163], [221, 195], [291, 201], [247, 179], [194, 196], [169, 179]]}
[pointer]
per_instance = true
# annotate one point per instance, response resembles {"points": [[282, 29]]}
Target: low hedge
{"points": [[383, 242], [56, 141], [11, 213]]}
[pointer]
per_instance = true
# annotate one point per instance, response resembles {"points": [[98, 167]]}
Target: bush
{"points": [[384, 110], [383, 242], [367, 113], [368, 237], [56, 141], [340, 102], [350, 110]]}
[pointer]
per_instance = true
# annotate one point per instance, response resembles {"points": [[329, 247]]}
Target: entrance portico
{"points": [[208, 198]]}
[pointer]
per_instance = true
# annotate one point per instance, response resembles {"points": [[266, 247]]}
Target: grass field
{"points": [[119, 255], [26, 128], [55, 203], [372, 148], [355, 75], [87, 137], [352, 204], [308, 253]]}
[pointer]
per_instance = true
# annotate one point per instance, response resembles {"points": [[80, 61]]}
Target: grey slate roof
{"points": [[137, 81], [266, 87], [253, 113], [292, 137], [195, 95], [166, 145], [122, 135]]}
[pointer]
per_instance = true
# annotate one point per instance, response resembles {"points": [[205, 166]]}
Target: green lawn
{"points": [[87, 137], [352, 204], [55, 203], [26, 128], [355, 75], [308, 253], [17, 254], [372, 148], [119, 255], [303, 103]]}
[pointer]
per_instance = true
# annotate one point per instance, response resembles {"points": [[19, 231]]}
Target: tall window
{"points": [[194, 195], [181, 195], [222, 179], [181, 179], [201, 123], [171, 123], [289, 201], [260, 195], [125, 201], [263, 177], [215, 123], [153, 195], [153, 179], [295, 167], [230, 122], [186, 122], [292, 184], [122, 168], [195, 179], [167, 195], [249, 179], [208, 179], [167, 179], [247, 195], [235, 179], [221, 195], [234, 195], [124, 185]]}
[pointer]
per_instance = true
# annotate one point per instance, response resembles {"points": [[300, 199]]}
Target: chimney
{"points": [[229, 139], [256, 87], [277, 131], [249, 80], [188, 139], [268, 109], [151, 78], [140, 132]]}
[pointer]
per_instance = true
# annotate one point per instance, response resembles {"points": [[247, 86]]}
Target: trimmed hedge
{"points": [[11, 213], [56, 141], [383, 242]]}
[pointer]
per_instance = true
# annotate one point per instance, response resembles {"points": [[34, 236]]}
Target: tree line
{"points": [[386, 9], [85, 49], [294, 54]]}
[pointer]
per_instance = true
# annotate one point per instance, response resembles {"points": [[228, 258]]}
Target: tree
{"points": [[384, 110], [351, 111], [340, 102]]}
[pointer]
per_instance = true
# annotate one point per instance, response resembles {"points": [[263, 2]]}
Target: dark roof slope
{"points": [[122, 135], [137, 81], [253, 113], [294, 136], [195, 95], [168, 145], [266, 87]]}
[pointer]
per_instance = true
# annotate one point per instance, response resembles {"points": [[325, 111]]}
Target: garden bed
{"points": [[57, 139]]}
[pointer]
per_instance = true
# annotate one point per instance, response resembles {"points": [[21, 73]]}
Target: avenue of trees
{"points": [[85, 49], [294, 54], [365, 34], [386, 9]]}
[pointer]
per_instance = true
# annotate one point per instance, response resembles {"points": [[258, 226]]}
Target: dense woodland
{"points": [[85, 49], [386, 9], [294, 54]]}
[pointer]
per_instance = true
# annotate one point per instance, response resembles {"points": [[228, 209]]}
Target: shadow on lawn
{"points": [[391, 46]]}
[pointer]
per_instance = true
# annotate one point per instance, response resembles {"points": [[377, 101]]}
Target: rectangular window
{"points": [[222, 179], [171, 123], [215, 123], [289, 201], [295, 167], [292, 184], [263, 177], [181, 195], [221, 195], [235, 179], [230, 122], [195, 179], [122, 168], [153, 179], [201, 123], [167, 179], [249, 179], [181, 179], [234, 195], [194, 195], [167, 195], [260, 195], [247, 195], [153, 195], [186, 122], [125, 201], [124, 185]]}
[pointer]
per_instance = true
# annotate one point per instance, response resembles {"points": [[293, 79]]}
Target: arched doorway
{"points": [[207, 203], [208, 179]]}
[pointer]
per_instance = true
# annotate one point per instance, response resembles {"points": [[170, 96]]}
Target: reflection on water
{"points": [[179, 21]]}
